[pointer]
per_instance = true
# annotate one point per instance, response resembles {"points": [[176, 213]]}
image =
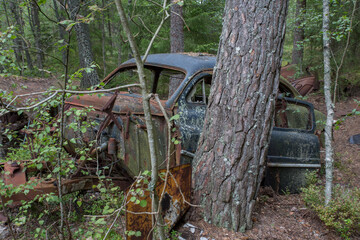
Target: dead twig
{"points": [[64, 91]]}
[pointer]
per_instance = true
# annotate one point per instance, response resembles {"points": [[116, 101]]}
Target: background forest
{"points": [[84, 41], [33, 42]]}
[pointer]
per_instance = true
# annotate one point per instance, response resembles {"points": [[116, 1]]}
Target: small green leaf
{"points": [[41, 2], [175, 117], [83, 129], [143, 203], [66, 22], [79, 203]]}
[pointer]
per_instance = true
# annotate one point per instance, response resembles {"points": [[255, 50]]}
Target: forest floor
{"points": [[276, 216]]}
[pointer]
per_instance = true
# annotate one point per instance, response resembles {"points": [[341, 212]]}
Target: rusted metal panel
{"points": [[14, 174], [176, 194], [304, 84], [124, 103], [50, 186], [127, 127]]}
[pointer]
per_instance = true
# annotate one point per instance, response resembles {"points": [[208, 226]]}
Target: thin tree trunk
{"points": [[176, 38], [118, 43], [111, 42], [61, 30], [6, 14], [176, 28], [2, 151], [299, 33], [20, 23], [329, 105], [148, 119], [338, 67], [19, 56], [103, 39], [37, 34], [84, 47], [230, 160], [36, 29]]}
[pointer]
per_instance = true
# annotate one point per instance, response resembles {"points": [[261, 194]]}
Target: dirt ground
{"points": [[276, 216]]}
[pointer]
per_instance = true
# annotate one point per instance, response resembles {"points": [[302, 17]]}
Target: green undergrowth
{"points": [[343, 211]]}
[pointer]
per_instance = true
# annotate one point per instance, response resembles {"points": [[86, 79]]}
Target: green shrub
{"points": [[343, 211]]}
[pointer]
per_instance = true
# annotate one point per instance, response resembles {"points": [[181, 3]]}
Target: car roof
{"points": [[189, 63]]}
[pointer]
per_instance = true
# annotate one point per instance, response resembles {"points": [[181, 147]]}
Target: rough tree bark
{"points": [[176, 38], [61, 30], [329, 152], [36, 29], [230, 159], [176, 28], [299, 33], [84, 47]]}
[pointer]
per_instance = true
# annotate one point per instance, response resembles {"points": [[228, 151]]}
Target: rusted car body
{"points": [[305, 83], [122, 150], [293, 146]]}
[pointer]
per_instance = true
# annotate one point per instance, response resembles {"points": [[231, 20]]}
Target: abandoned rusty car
{"points": [[182, 82]]}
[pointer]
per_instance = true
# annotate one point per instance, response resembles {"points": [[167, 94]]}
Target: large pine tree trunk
{"points": [[299, 33], [230, 159], [84, 47]]}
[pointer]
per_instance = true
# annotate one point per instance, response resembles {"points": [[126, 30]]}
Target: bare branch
{"points": [[55, 92], [144, 25], [166, 16], [345, 50], [45, 15]]}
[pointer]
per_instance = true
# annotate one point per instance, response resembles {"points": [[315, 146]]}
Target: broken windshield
{"points": [[159, 80]]}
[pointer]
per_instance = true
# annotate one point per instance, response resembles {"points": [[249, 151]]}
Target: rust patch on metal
{"points": [[125, 103], [14, 174], [304, 84], [172, 202], [112, 146]]}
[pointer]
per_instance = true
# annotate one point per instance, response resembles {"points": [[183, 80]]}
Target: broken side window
{"points": [[200, 92], [129, 76], [166, 78], [292, 114]]}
